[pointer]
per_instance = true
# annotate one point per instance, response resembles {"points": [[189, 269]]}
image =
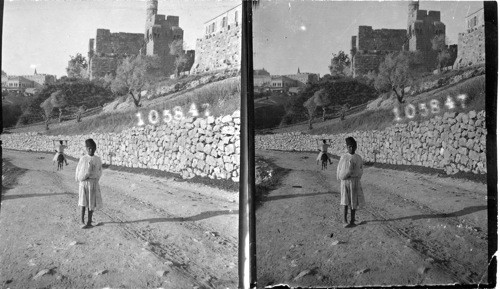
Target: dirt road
{"points": [[154, 232], [415, 228]]}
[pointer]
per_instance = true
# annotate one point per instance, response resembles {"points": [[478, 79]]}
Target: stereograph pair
{"points": [[254, 144]]}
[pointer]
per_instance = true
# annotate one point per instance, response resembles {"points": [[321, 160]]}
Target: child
{"points": [[88, 173], [323, 150], [349, 173], [60, 150]]}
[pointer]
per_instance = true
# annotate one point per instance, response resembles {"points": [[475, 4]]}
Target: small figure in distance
{"points": [[88, 172], [60, 151], [324, 151], [349, 172]]}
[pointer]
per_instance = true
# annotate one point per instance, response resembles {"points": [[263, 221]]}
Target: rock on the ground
{"points": [[302, 274], [161, 273], [336, 242], [43, 272], [102, 272], [422, 270], [362, 271]]}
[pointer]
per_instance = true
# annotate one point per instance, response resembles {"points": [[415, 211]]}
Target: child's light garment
{"points": [[60, 150], [88, 173], [324, 150], [349, 172]]}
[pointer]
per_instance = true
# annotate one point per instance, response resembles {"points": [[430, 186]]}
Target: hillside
{"points": [[213, 94], [379, 113]]}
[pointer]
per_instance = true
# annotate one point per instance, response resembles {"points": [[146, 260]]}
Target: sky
{"points": [[43, 34], [303, 34]]}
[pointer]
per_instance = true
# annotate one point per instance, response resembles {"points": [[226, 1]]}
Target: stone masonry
{"points": [[205, 147], [471, 49], [220, 48], [454, 142], [369, 47], [160, 32], [110, 49]]}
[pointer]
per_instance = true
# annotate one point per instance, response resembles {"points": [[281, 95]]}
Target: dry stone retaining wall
{"points": [[218, 52], [206, 147], [453, 142]]}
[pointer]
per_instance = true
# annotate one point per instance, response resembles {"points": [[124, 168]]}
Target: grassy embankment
{"points": [[222, 97], [473, 88]]}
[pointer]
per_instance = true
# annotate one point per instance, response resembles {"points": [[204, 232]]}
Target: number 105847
{"points": [[425, 109], [168, 115]]}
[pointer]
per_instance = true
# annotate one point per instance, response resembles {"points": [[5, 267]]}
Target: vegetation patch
{"points": [[473, 88], [268, 177], [10, 174]]}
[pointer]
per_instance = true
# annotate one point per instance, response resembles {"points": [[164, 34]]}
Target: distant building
{"points": [[281, 83], [304, 78], [220, 46], [30, 83], [41, 79], [19, 84], [264, 81], [223, 22], [471, 43], [261, 78]]}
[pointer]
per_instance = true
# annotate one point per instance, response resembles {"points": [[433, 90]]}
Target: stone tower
{"points": [[412, 13], [160, 32], [422, 27], [151, 10]]}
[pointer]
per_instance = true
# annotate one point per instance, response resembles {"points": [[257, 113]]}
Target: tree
{"points": [[319, 99], [439, 45], [340, 65], [56, 100], [311, 109], [176, 49], [77, 67], [396, 72], [79, 113], [134, 75]]}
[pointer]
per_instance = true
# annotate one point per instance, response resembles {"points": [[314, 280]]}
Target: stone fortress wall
{"points": [[160, 32], [220, 47], [369, 47], [107, 49], [454, 142], [471, 44], [205, 147]]}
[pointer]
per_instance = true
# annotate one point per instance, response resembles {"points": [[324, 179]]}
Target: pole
{"points": [[246, 238]]}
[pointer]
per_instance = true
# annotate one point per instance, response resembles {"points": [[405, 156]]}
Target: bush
{"points": [[10, 114], [78, 92]]}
